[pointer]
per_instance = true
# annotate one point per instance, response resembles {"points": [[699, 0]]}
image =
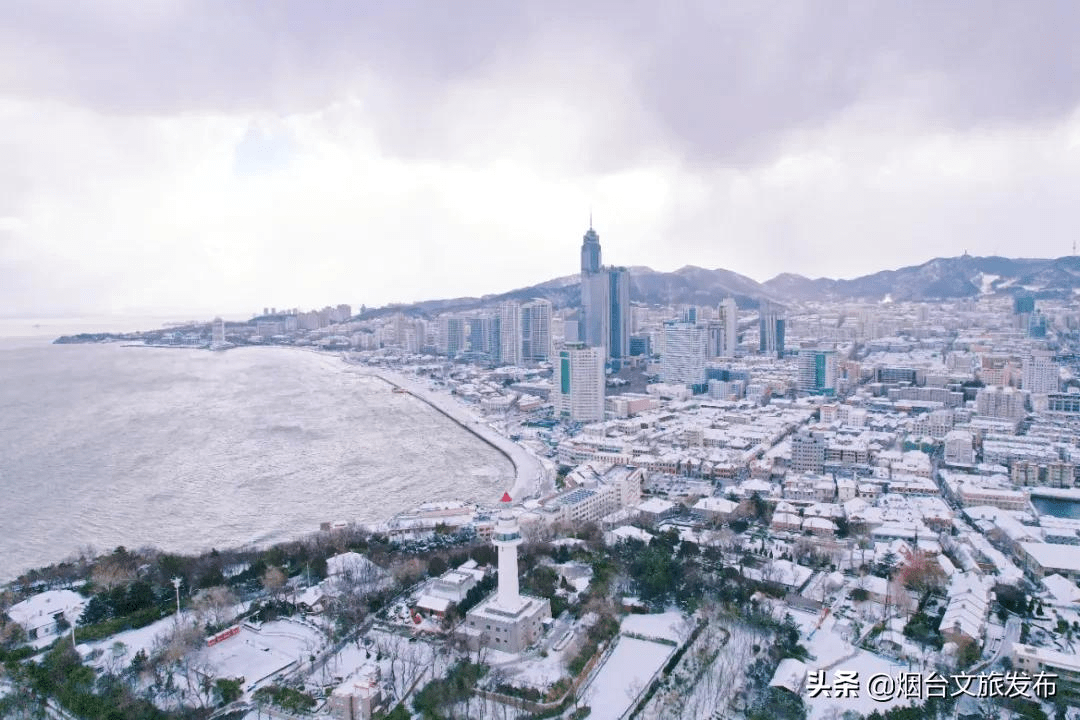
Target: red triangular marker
{"points": [[506, 497]]}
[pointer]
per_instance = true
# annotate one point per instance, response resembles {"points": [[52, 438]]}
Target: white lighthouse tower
{"points": [[507, 620], [507, 537]]}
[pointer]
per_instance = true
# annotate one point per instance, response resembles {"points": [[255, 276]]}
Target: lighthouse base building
{"points": [[490, 625], [508, 620]]}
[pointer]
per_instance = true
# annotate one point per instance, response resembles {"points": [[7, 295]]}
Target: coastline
{"points": [[529, 472], [528, 469]]}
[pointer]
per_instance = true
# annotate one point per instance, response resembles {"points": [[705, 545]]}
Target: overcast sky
{"points": [[161, 155]]}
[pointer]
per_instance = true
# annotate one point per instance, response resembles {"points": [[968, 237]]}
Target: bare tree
{"points": [[273, 581], [215, 606], [114, 661], [405, 662], [113, 570]]}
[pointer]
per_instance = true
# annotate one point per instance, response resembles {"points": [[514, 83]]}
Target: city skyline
{"points": [[302, 158]]}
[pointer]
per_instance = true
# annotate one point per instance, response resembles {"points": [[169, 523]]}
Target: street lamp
{"points": [[176, 584]]}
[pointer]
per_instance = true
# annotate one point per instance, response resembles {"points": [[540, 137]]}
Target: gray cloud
{"points": [[160, 150], [720, 83]]}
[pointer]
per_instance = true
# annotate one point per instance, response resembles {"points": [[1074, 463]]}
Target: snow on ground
{"points": [[708, 675], [663, 626], [135, 640], [537, 671], [829, 650], [343, 663], [626, 674], [542, 668], [867, 665], [403, 660], [257, 654]]}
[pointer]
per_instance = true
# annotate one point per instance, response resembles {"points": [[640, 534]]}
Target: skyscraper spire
{"points": [[590, 250]]}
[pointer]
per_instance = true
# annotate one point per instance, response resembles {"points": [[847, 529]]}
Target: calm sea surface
{"points": [[1058, 507], [105, 445]]}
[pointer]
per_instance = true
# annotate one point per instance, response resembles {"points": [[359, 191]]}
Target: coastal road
{"points": [[530, 474]]}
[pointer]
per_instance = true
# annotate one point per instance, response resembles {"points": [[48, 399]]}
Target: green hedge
{"points": [[105, 628]]}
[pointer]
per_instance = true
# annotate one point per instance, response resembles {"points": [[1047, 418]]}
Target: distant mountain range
{"points": [[937, 279]]}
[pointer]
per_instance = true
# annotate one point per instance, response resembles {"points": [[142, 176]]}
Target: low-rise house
{"points": [[627, 532], [1042, 559], [714, 509], [46, 613], [1063, 592], [1034, 660], [790, 675], [786, 522], [819, 526], [968, 609], [654, 510]]}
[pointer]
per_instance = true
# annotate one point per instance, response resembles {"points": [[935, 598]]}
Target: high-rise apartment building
{"points": [[808, 452], [578, 383], [683, 358], [536, 330], [1006, 403], [817, 370], [451, 335], [484, 337], [727, 332], [510, 333], [1040, 373]]}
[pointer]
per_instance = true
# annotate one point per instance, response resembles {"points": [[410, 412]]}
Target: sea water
{"points": [[183, 449]]}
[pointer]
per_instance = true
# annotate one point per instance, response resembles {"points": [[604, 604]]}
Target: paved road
{"points": [[1004, 645]]}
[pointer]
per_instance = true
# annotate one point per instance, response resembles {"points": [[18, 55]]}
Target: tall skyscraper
{"points": [[605, 320], [771, 325], [683, 358], [590, 251], [578, 391], [595, 324], [619, 313], [536, 330], [510, 333]]}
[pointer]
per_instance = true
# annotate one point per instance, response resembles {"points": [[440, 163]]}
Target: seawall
{"points": [[528, 471]]}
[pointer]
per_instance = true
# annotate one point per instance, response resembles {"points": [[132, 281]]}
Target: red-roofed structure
{"points": [[506, 498]]}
